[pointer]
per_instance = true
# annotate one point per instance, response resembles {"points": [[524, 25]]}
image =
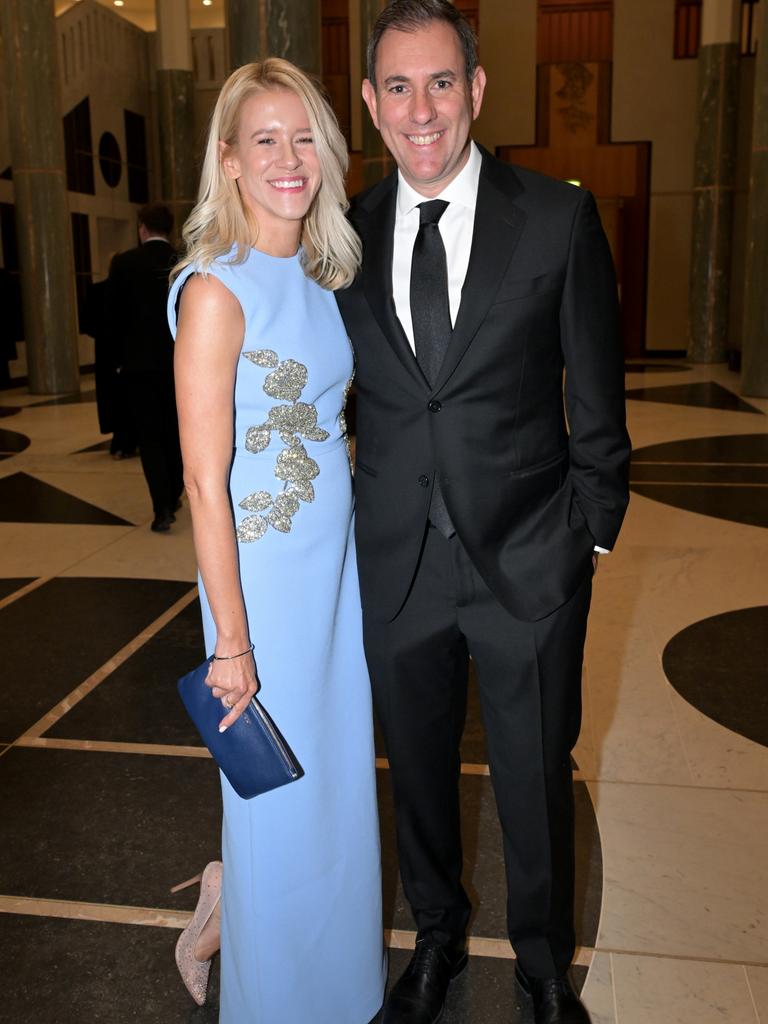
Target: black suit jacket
{"points": [[136, 307], [528, 493]]}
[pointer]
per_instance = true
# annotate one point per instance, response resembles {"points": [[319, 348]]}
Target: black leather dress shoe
{"points": [[162, 522], [554, 1001], [419, 996]]}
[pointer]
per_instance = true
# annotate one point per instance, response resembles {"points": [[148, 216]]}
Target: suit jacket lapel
{"points": [[498, 226], [376, 224]]}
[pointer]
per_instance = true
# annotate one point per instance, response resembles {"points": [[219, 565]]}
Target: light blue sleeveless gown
{"points": [[301, 909]]}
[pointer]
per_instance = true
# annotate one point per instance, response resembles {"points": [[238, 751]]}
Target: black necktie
{"points": [[431, 317], [430, 309]]}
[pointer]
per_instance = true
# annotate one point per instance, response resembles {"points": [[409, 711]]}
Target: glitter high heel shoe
{"points": [[194, 972]]}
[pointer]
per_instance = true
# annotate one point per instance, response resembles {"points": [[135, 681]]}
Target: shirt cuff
{"points": [[602, 551]]}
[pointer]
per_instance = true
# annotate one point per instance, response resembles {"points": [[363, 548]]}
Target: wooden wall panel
{"points": [[575, 31]]}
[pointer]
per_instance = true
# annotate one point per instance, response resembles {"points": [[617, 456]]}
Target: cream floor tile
{"points": [[653, 526], [47, 549], [59, 429], [634, 733], [680, 586], [85, 462], [598, 990], [657, 991], [757, 978], [685, 871], [122, 494], [656, 422], [717, 756], [141, 554]]}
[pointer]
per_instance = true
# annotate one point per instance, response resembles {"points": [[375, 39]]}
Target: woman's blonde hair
{"points": [[220, 219]]}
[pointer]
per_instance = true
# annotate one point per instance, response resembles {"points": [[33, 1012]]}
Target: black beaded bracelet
{"points": [[231, 657]]}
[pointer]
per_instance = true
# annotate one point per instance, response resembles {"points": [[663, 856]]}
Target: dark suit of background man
{"points": [[138, 289], [478, 509]]}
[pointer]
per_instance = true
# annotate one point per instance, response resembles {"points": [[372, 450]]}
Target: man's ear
{"points": [[229, 161], [478, 89], [369, 95]]}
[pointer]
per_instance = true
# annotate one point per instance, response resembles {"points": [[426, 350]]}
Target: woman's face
{"points": [[274, 161]]}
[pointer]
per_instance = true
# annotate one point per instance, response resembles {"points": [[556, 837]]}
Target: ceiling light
{"points": [[207, 3], [119, 3]]}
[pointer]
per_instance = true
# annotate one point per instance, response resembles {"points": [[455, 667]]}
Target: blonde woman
{"points": [[262, 369]]}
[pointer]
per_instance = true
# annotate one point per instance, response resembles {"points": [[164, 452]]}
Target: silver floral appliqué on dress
{"points": [[293, 423]]}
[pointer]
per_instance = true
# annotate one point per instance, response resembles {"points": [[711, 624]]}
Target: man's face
{"points": [[423, 105]]}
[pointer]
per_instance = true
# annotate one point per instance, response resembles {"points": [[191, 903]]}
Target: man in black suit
{"points": [[480, 507], [138, 292]]}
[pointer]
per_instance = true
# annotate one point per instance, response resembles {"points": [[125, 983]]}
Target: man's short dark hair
{"points": [[157, 219], [412, 15]]}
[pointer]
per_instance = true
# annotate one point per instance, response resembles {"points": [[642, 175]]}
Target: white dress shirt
{"points": [[456, 226]]}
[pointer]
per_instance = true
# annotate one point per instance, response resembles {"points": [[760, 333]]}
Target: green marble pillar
{"points": [[274, 28], [179, 148], [377, 162], [714, 183], [754, 355], [43, 223]]}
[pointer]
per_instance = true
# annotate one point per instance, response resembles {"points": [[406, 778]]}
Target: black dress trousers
{"points": [[529, 676]]}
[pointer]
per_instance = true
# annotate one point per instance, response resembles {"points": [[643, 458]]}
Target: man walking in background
{"points": [[137, 296], [480, 511]]}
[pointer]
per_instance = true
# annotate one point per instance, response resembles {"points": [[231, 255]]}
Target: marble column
{"points": [[274, 28], [754, 355], [43, 224], [377, 162], [179, 149], [714, 181]]}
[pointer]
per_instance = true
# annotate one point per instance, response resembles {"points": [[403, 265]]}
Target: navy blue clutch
{"points": [[252, 754]]}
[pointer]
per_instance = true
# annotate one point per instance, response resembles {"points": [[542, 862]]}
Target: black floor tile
{"points": [[123, 828], [139, 702], [719, 666], [25, 499], [91, 972], [76, 399], [106, 828], [9, 585], [729, 448], [702, 395], [56, 636], [697, 472], [12, 442], [484, 877], [738, 504], [100, 446]]}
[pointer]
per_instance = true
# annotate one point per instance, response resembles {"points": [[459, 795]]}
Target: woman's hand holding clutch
{"points": [[233, 681]]}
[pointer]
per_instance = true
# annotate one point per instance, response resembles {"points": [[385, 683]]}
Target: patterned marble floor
{"points": [[107, 799]]}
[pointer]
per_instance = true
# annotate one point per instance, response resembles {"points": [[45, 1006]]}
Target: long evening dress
{"points": [[301, 906]]}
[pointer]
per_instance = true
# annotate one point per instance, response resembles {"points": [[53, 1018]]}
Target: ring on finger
{"points": [[228, 703]]}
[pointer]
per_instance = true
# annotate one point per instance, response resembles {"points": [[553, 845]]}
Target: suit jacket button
{"points": [[424, 480], [435, 406]]}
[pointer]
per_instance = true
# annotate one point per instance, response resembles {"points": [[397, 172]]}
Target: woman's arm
{"points": [[208, 343]]}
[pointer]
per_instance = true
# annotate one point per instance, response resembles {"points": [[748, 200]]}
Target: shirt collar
{"points": [[154, 238], [462, 190]]}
